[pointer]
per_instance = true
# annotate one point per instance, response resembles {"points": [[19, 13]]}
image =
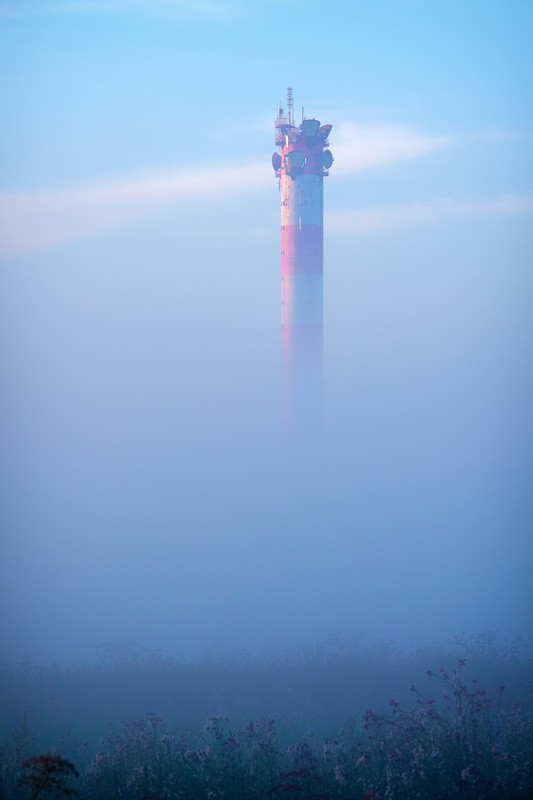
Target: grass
{"points": [[457, 737]]}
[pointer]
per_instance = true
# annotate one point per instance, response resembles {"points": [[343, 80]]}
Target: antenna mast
{"points": [[290, 105]]}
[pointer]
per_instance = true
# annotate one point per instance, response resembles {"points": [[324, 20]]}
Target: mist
{"points": [[154, 493]]}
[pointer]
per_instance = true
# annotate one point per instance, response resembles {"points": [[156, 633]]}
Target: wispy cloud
{"points": [[414, 214], [359, 147], [31, 220], [39, 219], [205, 8]]}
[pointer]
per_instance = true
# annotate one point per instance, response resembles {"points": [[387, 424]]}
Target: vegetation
{"points": [[48, 774], [463, 738]]}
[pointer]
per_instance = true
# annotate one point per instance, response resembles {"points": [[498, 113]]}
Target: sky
{"points": [[150, 492]]}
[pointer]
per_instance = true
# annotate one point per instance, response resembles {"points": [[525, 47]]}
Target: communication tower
{"points": [[302, 163]]}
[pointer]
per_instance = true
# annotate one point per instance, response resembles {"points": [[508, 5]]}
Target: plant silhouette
{"points": [[48, 773]]}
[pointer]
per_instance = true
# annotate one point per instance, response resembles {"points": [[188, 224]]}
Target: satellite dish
{"points": [[276, 161], [297, 159], [310, 127], [327, 159]]}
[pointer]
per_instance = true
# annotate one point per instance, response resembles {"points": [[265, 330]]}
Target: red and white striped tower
{"points": [[301, 165]]}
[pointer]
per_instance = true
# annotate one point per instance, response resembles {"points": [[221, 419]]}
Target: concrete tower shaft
{"points": [[302, 248]]}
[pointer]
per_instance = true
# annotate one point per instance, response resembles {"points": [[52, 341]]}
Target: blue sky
{"points": [[126, 93], [139, 247]]}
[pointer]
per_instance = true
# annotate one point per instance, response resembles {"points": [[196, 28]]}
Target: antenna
{"points": [[290, 106]]}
